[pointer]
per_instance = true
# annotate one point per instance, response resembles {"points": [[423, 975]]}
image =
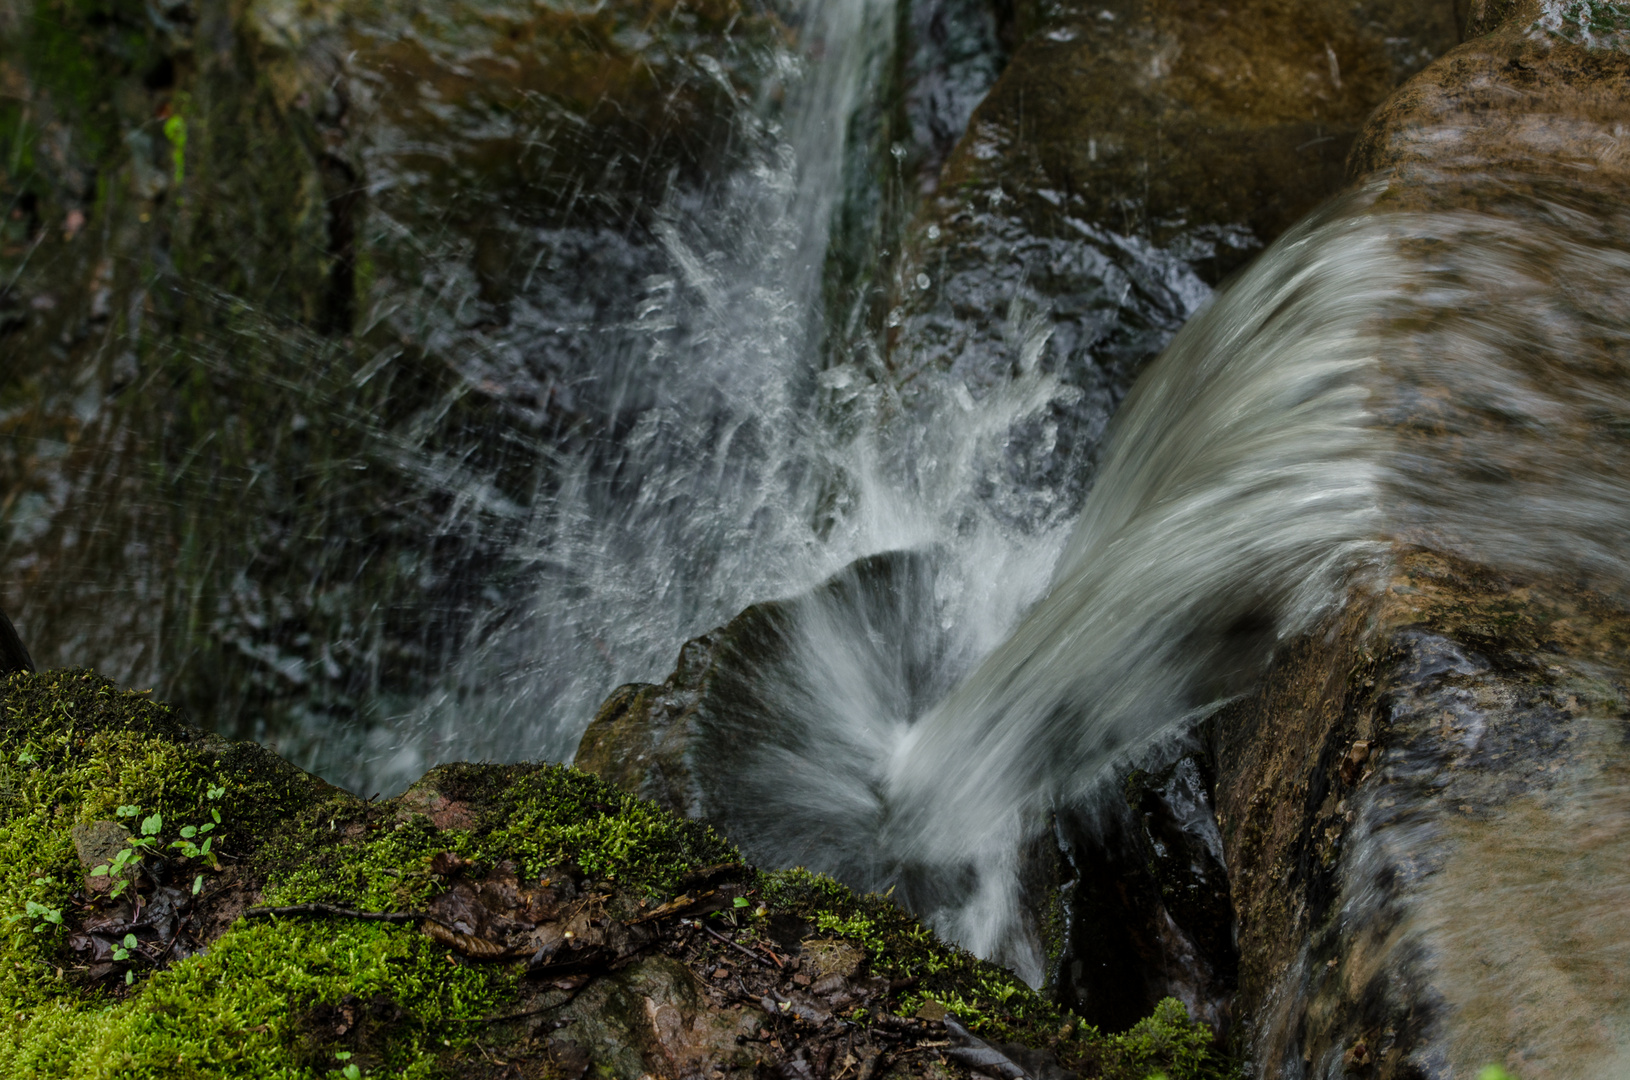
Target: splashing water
{"points": [[708, 492], [1379, 377]]}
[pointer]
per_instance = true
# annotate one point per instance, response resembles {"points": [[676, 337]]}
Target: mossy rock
{"points": [[712, 980]]}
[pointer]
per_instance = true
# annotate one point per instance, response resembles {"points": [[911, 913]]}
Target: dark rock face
{"points": [[275, 283], [1143, 894]]}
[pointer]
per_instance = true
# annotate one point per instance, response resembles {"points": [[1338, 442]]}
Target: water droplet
{"points": [[933, 232], [922, 281]]}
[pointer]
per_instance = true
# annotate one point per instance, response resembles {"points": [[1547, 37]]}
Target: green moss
{"points": [[74, 748]]}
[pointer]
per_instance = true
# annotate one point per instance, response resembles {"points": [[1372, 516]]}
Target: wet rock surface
{"points": [[1143, 894], [1130, 157], [326, 265], [1420, 860]]}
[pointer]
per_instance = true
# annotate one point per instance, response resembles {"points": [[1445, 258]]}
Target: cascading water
{"points": [[727, 427], [1379, 378]]}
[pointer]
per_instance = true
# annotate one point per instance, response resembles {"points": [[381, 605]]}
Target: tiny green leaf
{"points": [[197, 884], [100, 871], [150, 826], [189, 831]]}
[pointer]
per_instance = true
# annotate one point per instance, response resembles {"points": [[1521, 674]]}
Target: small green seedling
{"points": [[44, 917], [123, 950]]}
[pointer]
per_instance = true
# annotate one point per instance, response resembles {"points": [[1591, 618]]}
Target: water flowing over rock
{"points": [[537, 341], [1365, 513], [1130, 157]]}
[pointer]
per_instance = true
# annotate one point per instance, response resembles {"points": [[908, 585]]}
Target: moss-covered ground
{"points": [[74, 749]]}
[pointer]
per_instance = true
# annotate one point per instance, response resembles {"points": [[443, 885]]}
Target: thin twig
{"points": [[744, 950], [347, 913]]}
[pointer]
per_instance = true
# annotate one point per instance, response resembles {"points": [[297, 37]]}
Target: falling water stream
{"points": [[736, 415], [1378, 378]]}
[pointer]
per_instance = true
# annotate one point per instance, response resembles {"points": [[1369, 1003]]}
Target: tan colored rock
{"points": [[1526, 104], [1423, 807], [1458, 902]]}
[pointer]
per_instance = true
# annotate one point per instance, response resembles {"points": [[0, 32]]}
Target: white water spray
{"points": [[1380, 377]]}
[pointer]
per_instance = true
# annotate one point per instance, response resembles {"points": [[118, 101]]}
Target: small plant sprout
{"points": [[123, 950], [43, 916]]}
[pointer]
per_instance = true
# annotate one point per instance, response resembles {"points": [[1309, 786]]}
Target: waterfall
{"points": [[1380, 377], [707, 486]]}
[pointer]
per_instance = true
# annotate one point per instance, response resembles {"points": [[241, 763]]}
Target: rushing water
{"points": [[1451, 378], [735, 410]]}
